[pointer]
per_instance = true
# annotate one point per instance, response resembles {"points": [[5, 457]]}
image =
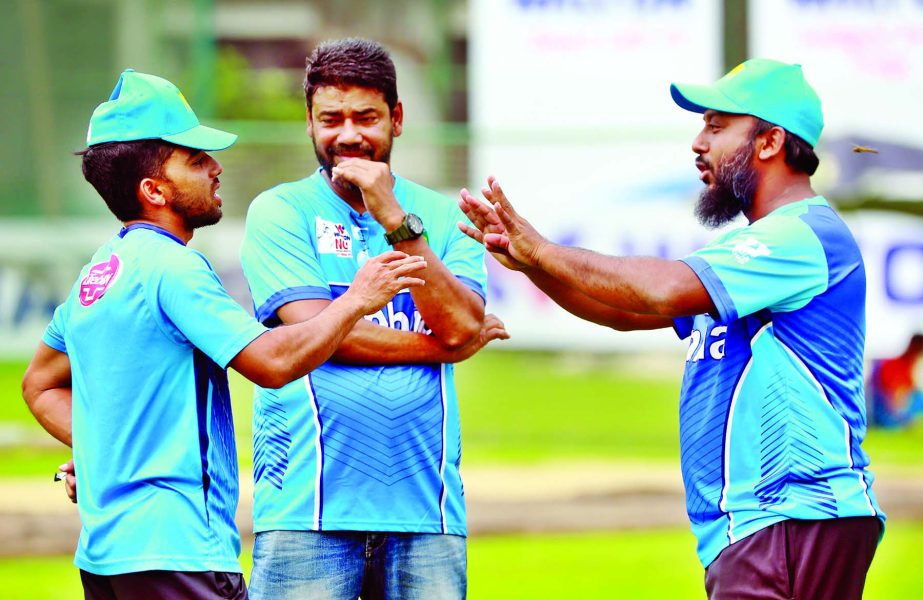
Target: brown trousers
{"points": [[164, 585], [797, 560]]}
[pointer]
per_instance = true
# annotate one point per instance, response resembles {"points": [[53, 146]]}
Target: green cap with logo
{"points": [[774, 91], [146, 107]]}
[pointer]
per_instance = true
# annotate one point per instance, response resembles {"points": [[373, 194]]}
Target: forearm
{"points": [[371, 344], [450, 308], [46, 388], [52, 409], [581, 305], [292, 351], [641, 285]]}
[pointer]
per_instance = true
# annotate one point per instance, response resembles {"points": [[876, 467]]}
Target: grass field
{"points": [[640, 565], [525, 408], [515, 407]]}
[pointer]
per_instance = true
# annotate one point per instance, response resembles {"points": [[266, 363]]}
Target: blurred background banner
{"points": [[565, 101], [571, 110], [866, 61]]}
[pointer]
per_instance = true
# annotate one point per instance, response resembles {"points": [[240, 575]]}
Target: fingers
{"points": [[392, 256], [498, 197], [70, 487], [406, 282], [471, 232], [480, 213], [70, 480], [406, 266], [361, 172], [494, 329], [506, 218], [498, 243], [474, 209]]}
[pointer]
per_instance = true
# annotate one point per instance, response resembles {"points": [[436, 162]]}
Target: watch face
{"points": [[414, 224]]}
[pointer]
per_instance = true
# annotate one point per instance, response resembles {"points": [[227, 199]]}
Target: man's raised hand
{"points": [[505, 234], [377, 187]]}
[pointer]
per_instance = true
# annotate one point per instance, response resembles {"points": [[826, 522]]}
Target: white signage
{"points": [[864, 58]]}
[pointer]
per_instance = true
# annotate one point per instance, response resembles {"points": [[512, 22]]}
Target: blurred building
{"points": [[241, 65]]}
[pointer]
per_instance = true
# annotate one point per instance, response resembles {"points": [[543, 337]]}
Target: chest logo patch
{"points": [[99, 279], [332, 238], [750, 248]]}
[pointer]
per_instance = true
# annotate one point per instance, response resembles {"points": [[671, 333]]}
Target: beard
{"points": [[735, 181], [196, 214], [326, 155]]}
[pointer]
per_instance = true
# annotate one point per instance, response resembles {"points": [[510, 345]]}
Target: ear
{"points": [[152, 192], [397, 119], [309, 121], [770, 143]]}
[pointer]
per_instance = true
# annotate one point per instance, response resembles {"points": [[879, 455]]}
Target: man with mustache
{"points": [[772, 412], [356, 468], [132, 369]]}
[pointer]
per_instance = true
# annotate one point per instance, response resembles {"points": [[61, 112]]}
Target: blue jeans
{"points": [[335, 565]]}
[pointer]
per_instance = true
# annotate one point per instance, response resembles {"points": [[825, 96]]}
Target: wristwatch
{"points": [[411, 228]]}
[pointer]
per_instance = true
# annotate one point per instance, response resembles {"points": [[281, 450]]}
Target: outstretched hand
{"points": [[383, 276], [505, 234]]}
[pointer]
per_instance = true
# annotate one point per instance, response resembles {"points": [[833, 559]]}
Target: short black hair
{"points": [[351, 62], [799, 154], [116, 169]]}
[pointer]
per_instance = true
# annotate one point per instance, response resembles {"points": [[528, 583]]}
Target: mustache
{"points": [[339, 149]]}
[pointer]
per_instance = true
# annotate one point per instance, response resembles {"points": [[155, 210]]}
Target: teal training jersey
{"points": [[361, 448], [772, 408], [149, 330]]}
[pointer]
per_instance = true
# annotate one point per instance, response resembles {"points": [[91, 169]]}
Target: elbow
{"points": [[30, 391], [277, 374], [462, 335]]}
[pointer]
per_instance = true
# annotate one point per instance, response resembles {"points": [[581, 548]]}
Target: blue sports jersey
{"points": [[149, 330], [362, 448], [772, 409]]}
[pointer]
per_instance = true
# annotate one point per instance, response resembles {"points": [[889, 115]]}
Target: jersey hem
{"points": [[135, 565], [362, 526]]}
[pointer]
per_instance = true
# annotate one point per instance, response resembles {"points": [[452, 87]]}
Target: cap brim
{"points": [[201, 137], [699, 98]]}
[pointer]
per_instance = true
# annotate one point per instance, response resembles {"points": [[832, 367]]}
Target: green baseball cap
{"points": [[146, 107], [771, 90]]}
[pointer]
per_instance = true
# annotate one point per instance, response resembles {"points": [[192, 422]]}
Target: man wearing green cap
{"points": [[772, 413], [131, 370]]}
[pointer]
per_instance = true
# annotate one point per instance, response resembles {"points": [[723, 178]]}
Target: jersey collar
{"points": [[152, 227]]}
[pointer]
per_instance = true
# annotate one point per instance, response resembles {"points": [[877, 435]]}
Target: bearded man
{"points": [[356, 468], [772, 413]]}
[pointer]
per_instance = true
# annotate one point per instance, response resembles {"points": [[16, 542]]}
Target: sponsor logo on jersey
{"points": [[707, 344], [400, 313], [99, 280], [749, 248], [332, 238]]}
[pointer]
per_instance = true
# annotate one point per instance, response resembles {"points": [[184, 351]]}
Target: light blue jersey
{"points": [[772, 410], [361, 448], [149, 330]]}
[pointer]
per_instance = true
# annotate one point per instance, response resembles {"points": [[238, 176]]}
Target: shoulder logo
{"points": [[749, 248], [99, 279], [332, 238]]}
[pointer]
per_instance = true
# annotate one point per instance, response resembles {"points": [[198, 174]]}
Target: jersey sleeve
{"points": [[279, 257], [778, 265], [464, 257], [190, 295], [54, 332]]}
